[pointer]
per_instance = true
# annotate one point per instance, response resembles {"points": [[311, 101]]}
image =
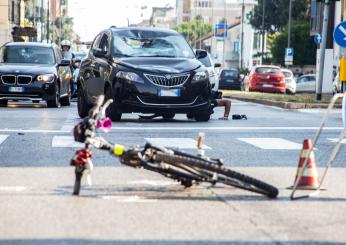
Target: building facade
{"points": [[225, 50]]}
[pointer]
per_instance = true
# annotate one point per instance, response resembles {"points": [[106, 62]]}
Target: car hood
{"points": [[33, 69], [160, 65]]}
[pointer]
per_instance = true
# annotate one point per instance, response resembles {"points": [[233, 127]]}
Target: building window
{"points": [[12, 11], [202, 3]]}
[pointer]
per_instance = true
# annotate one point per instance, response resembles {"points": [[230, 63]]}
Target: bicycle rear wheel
{"points": [[225, 175]]}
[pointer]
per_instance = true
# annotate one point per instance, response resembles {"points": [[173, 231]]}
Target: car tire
{"points": [[168, 116], [55, 103], [190, 116], [82, 105], [112, 111], [3, 103], [202, 117]]}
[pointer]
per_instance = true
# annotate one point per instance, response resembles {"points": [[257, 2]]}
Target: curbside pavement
{"points": [[282, 104]]}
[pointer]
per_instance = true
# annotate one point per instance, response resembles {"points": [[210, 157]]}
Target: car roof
{"points": [[137, 28], [286, 70], [31, 44], [271, 66]]}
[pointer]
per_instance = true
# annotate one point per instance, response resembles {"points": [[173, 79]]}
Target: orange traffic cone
{"points": [[309, 179]]}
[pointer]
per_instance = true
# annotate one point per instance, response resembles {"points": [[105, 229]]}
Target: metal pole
{"points": [[242, 36], [48, 6], [224, 35], [212, 27], [322, 50], [263, 32], [60, 20], [289, 25]]}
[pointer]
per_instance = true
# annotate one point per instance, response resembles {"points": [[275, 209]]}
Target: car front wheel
{"points": [[56, 101], [3, 103], [112, 111], [82, 106], [202, 117]]}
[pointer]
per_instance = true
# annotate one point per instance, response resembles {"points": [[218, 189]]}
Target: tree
{"points": [[302, 44], [63, 29], [194, 29], [276, 14]]}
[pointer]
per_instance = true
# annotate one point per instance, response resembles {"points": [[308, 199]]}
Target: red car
{"points": [[265, 78]]}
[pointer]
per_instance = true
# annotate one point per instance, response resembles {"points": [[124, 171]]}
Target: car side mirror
{"points": [[200, 53], [216, 65], [97, 52], [65, 62]]}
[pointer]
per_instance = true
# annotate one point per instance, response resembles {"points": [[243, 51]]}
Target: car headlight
{"points": [[129, 76], [46, 78], [200, 76]]}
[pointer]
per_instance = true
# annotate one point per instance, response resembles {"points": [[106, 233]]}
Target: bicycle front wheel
{"points": [[224, 175]]}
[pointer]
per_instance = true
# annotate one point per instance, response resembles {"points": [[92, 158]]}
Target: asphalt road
{"points": [[130, 206]]}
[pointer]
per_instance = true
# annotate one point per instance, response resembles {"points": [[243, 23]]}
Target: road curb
{"points": [[282, 104]]}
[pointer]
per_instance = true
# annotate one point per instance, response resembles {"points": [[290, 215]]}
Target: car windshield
{"points": [[27, 54], [229, 73], [268, 70], [287, 74], [80, 55], [147, 43], [205, 61]]}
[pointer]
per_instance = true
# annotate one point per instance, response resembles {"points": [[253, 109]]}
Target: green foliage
{"points": [[63, 29], [194, 29], [276, 14], [301, 42]]}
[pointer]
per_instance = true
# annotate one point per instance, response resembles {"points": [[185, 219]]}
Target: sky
{"points": [[92, 16]]}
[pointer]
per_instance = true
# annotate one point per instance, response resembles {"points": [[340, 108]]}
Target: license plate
{"points": [[16, 89], [268, 85], [169, 92], [230, 81]]}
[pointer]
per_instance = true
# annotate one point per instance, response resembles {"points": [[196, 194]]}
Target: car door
{"points": [[301, 84], [311, 84]]}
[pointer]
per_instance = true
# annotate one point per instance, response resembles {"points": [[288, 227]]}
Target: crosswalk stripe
{"points": [[334, 140], [182, 143], [272, 143], [65, 141], [3, 138]]}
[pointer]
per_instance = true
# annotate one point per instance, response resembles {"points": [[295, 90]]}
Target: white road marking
{"points": [[153, 183], [272, 143], [43, 131], [129, 199], [69, 123], [320, 111], [334, 140], [65, 141], [3, 138], [12, 188], [182, 143]]}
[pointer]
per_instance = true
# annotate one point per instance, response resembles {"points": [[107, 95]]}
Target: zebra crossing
{"points": [[262, 143]]}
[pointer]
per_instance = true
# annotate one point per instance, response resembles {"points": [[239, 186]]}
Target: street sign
{"points": [[340, 34], [318, 39], [288, 56], [221, 30]]}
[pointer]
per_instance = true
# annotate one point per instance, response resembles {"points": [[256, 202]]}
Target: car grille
{"points": [[8, 79], [168, 80], [24, 80], [20, 79]]}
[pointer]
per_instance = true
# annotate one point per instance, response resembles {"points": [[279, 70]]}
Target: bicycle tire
{"points": [[233, 178]]}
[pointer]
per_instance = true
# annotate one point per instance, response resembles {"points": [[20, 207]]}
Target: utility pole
{"points": [[263, 31], [242, 36], [224, 35], [48, 22], [289, 24], [322, 50]]}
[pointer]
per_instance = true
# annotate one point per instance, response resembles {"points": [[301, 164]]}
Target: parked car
{"points": [[79, 56], [265, 78], [34, 71], [146, 70], [306, 83], [209, 64], [230, 79], [291, 84]]}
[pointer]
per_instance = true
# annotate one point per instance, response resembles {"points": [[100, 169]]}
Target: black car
{"points": [[34, 71], [146, 70], [230, 79]]}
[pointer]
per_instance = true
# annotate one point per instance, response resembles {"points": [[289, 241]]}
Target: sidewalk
{"points": [[298, 101]]}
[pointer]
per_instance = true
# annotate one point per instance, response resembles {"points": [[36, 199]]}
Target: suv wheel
{"points": [[202, 117], [82, 106], [55, 102], [3, 103], [112, 110]]}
